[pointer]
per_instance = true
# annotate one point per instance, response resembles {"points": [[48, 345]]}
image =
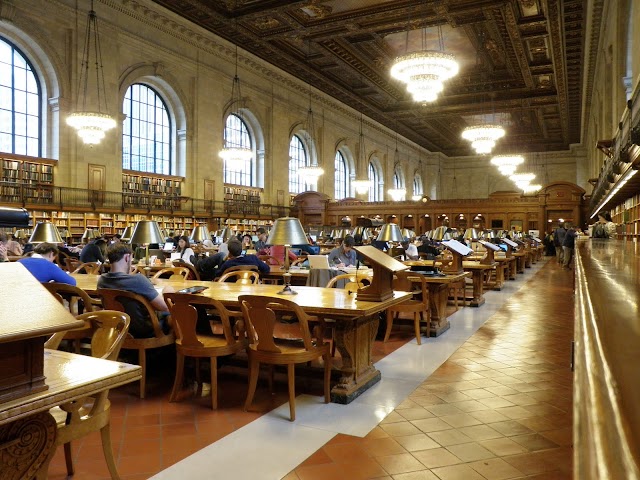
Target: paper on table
{"points": [[458, 247]]}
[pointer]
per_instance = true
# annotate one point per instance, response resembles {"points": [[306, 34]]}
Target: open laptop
{"points": [[318, 261], [168, 246]]}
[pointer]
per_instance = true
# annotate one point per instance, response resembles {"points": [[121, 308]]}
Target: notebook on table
{"points": [[318, 261]]}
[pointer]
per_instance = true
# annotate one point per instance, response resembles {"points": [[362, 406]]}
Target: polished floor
{"points": [[489, 399]]}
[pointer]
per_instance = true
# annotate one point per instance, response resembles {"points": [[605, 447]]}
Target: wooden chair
{"points": [[72, 297], [123, 301], [351, 284], [172, 273], [457, 290], [245, 277], [78, 418], [403, 281], [193, 272], [62, 261], [72, 264], [91, 268], [299, 261], [189, 343], [260, 319]]}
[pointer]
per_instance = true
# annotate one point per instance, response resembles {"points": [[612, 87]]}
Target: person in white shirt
{"points": [[185, 250], [410, 250]]}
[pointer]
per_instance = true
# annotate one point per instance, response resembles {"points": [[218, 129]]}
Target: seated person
{"points": [[410, 250], [236, 258], [119, 278], [14, 249], [41, 265], [277, 251], [428, 248], [93, 251], [208, 266], [261, 243], [344, 255], [185, 251], [208, 243], [247, 243]]}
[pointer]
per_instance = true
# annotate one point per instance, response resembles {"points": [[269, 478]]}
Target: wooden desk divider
{"points": [[491, 250], [511, 245], [384, 266], [458, 250]]}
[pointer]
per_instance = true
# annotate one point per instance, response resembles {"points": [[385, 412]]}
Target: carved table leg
{"points": [[500, 268], [478, 297], [438, 293], [25, 445], [354, 340]]}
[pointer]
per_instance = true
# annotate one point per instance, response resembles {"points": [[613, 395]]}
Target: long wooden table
{"points": [[356, 322]]}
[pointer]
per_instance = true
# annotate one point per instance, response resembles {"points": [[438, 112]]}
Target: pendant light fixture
{"points": [[361, 185], [313, 171], [234, 153], [91, 124], [425, 71], [397, 193], [507, 164]]}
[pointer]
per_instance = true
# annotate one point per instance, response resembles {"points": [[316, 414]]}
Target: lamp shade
{"points": [[287, 231], [439, 233], [200, 233], [45, 232], [89, 234], [126, 235], [488, 234], [470, 234], [226, 234], [146, 231], [390, 232]]}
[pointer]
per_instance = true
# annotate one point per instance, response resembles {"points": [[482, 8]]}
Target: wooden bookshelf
{"points": [[165, 190], [26, 178], [627, 216], [242, 200]]}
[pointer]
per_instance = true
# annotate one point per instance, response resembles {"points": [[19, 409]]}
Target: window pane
{"points": [[144, 146], [236, 134], [297, 159], [19, 96], [341, 177]]}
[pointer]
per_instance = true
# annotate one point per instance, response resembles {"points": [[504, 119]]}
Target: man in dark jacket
{"points": [[558, 240], [236, 258], [92, 252], [568, 245]]}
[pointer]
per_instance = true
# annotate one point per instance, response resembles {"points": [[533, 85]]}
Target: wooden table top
{"points": [[314, 300], [27, 309], [470, 265], [69, 377]]}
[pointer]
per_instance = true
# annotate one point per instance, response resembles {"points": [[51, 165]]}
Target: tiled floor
{"points": [[498, 408]]}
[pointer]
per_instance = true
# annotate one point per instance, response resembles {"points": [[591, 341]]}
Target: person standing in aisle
{"points": [[558, 239], [568, 245]]}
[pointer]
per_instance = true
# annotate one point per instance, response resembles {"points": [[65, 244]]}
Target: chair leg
{"points": [[142, 360], [179, 378], [389, 325], [68, 458], [291, 380], [416, 323], [107, 449], [327, 378], [214, 383], [198, 378], [254, 368]]}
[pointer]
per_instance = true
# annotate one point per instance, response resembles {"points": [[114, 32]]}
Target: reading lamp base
{"points": [[287, 291]]}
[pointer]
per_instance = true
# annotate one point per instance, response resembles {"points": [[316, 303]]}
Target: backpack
{"points": [[599, 231]]}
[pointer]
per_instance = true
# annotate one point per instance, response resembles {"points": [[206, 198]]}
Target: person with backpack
{"points": [[558, 239], [604, 228]]}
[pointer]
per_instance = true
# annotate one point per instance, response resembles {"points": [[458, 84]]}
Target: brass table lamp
{"points": [[287, 231], [45, 232], [144, 233], [200, 233]]}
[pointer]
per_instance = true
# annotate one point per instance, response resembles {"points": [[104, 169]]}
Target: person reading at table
{"points": [[93, 251], [41, 265], [344, 255], [119, 278], [410, 250], [236, 258]]}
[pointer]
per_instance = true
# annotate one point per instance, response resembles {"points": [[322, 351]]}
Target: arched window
{"points": [[146, 133], [342, 177], [20, 114], [374, 187], [396, 180], [236, 134], [297, 160], [417, 184]]}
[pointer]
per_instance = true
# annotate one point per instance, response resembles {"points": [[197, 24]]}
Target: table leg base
{"points": [[346, 395], [437, 329], [476, 302]]}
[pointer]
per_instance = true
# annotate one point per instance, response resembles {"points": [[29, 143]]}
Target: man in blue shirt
{"points": [[344, 255], [41, 265], [236, 259]]}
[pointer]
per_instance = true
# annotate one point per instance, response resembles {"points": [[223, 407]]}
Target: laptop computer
{"points": [[318, 261], [168, 246]]}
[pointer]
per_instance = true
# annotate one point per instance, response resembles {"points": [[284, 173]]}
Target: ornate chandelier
{"points": [[361, 185], [507, 164], [425, 71], [522, 180], [397, 194], [531, 188], [483, 137], [92, 125]]}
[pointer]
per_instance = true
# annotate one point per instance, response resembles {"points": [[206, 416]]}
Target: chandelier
{"points": [[361, 185], [531, 188], [522, 180], [397, 194], [92, 125], [425, 71], [311, 172], [507, 164], [233, 153], [483, 137]]}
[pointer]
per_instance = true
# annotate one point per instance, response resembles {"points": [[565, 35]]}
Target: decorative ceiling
{"points": [[521, 61]]}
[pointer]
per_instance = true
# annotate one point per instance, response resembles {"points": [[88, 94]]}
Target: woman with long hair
{"points": [[185, 250]]}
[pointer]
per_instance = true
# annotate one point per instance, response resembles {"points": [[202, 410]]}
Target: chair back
{"points": [[91, 268], [260, 317], [172, 273], [270, 260], [144, 319], [239, 268], [406, 282], [109, 332], [244, 277], [352, 283], [193, 271], [185, 318], [64, 292], [61, 260], [72, 263]]}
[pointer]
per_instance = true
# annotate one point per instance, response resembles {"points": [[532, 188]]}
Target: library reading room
{"points": [[456, 299]]}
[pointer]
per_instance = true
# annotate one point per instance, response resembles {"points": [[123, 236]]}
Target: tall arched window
{"points": [[20, 115], [396, 180], [374, 187], [146, 133], [342, 177], [417, 184], [297, 160], [236, 134]]}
